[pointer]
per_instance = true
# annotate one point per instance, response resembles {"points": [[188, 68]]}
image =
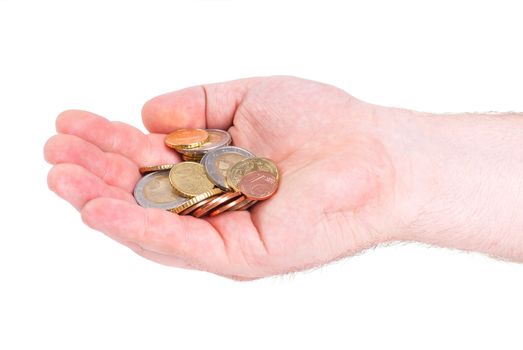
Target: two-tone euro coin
{"points": [[218, 161], [217, 138], [154, 190]]}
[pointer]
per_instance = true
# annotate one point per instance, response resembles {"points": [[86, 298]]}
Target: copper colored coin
{"points": [[258, 185], [149, 169], [245, 205], [240, 205], [196, 206], [194, 200], [248, 205], [186, 138], [221, 199], [227, 206]]}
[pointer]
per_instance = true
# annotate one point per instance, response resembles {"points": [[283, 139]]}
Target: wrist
{"points": [[459, 179]]}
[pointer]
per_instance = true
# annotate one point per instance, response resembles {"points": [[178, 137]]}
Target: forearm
{"points": [[461, 180]]}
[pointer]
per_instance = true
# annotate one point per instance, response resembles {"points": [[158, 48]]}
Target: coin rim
{"points": [[144, 170], [206, 163], [197, 151], [247, 206], [204, 210], [241, 205], [197, 205], [196, 199], [225, 207], [145, 203]]}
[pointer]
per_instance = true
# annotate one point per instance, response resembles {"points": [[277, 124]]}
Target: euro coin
{"points": [[246, 166], [229, 205], [217, 138], [186, 138], [197, 205], [248, 205], [195, 200], [191, 159], [242, 205], [151, 169], [219, 200], [259, 185], [154, 191], [218, 161], [189, 179]]}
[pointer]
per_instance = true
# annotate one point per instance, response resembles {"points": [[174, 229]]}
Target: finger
{"points": [[116, 137], [78, 186], [192, 240], [114, 169], [205, 106], [155, 230]]}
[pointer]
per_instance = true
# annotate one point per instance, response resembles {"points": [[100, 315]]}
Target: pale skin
{"points": [[353, 175]]}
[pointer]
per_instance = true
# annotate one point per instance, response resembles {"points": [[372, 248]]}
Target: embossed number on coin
{"points": [[240, 169], [259, 185]]}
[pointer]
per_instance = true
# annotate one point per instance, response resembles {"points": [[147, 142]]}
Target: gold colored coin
{"points": [[186, 138], [196, 206], [154, 190], [189, 179], [246, 166], [196, 199], [149, 169], [191, 159]]}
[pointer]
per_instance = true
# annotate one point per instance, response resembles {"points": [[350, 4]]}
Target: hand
{"points": [[353, 175], [336, 177]]}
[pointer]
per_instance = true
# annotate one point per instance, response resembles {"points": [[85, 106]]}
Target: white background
{"points": [[64, 286]]}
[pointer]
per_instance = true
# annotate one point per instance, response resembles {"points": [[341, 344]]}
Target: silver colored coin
{"points": [[217, 138], [155, 191], [218, 161]]}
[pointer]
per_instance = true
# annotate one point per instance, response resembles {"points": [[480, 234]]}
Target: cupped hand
{"points": [[336, 194]]}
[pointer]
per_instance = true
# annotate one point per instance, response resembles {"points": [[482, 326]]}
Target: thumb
{"points": [[203, 106]]}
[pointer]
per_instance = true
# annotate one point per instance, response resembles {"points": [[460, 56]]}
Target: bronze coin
{"points": [[248, 205], [149, 169], [259, 185], [196, 199], [186, 138], [243, 205], [227, 206], [196, 206], [219, 200], [249, 165]]}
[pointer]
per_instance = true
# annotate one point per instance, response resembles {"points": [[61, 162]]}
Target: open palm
{"points": [[335, 189]]}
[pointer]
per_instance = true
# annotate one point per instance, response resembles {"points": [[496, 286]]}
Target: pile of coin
{"points": [[214, 177]]}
